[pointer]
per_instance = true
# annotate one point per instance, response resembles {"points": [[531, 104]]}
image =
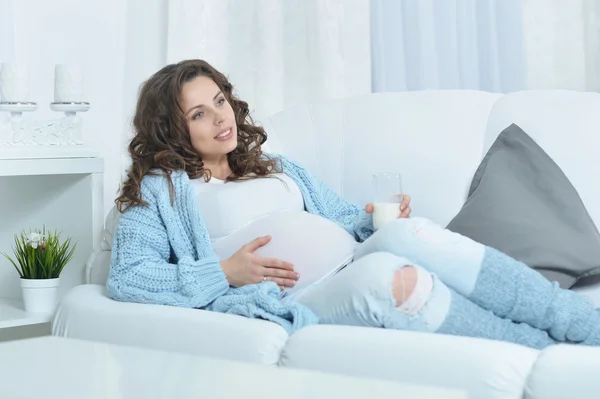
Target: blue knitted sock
{"points": [[465, 318], [514, 291]]}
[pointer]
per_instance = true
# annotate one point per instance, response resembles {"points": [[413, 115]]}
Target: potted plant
{"points": [[40, 257]]}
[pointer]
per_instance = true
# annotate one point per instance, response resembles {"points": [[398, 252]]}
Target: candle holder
{"points": [[70, 108], [23, 132], [25, 137], [17, 108]]}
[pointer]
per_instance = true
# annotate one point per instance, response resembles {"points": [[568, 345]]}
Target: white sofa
{"points": [[436, 140]]}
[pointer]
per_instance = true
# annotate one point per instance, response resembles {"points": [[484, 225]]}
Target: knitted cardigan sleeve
{"points": [[321, 200], [144, 270]]}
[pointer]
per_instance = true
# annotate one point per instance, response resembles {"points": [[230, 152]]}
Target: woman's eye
{"points": [[197, 115], [221, 101]]}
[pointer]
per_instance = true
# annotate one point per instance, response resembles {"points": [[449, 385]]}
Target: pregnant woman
{"points": [[210, 221]]}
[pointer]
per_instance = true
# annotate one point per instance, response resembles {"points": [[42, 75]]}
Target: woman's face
{"points": [[210, 118]]}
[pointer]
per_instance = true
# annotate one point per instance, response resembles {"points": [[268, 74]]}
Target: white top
{"points": [[236, 213], [228, 206]]}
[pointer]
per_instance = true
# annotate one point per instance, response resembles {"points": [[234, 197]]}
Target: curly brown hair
{"points": [[161, 143]]}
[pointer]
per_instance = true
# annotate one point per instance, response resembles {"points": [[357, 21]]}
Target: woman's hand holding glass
{"points": [[404, 207]]}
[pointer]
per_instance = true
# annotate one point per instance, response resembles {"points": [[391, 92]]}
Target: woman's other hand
{"points": [[245, 267], [404, 207]]}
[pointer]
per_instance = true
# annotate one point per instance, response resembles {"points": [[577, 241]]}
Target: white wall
{"points": [[146, 53], [117, 43]]}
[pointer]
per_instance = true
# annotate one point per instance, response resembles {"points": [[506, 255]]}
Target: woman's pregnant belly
{"points": [[317, 247]]}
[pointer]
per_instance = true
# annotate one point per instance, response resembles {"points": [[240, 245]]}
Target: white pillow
{"points": [[317, 247]]}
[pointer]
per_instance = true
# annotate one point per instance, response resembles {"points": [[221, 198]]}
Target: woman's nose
{"points": [[219, 117]]}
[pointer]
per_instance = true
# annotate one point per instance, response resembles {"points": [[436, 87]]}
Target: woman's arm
{"points": [[324, 201], [141, 270]]}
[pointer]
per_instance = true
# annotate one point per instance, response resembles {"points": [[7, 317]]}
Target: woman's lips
{"points": [[225, 135]]}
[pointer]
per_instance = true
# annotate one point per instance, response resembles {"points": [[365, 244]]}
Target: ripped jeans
{"points": [[462, 288]]}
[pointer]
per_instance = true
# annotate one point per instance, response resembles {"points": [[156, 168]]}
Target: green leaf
{"points": [[14, 264], [41, 263]]}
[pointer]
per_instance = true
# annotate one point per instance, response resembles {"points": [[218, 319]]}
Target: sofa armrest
{"points": [[97, 265], [565, 371], [87, 313], [483, 368]]}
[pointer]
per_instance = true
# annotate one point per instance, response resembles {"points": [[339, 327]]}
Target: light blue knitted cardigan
{"points": [[162, 253]]}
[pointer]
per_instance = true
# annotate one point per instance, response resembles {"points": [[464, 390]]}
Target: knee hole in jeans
{"points": [[411, 287]]}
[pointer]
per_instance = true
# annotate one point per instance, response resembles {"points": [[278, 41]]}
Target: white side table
{"points": [[52, 367]]}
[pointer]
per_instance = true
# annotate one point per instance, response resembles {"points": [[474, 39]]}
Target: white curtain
{"points": [[494, 45], [277, 53], [447, 44], [562, 44]]}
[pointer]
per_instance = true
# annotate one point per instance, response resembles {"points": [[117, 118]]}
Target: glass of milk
{"points": [[387, 189]]}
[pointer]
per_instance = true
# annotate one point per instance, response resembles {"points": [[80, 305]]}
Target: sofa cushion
{"points": [[565, 371], [566, 125], [87, 313], [482, 368], [521, 203], [433, 138]]}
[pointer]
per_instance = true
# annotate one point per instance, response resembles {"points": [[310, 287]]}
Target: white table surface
{"points": [[13, 314], [51, 367]]}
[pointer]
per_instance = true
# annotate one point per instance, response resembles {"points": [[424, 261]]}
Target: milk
{"points": [[385, 212]]}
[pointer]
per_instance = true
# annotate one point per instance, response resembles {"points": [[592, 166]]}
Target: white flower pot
{"points": [[40, 296]]}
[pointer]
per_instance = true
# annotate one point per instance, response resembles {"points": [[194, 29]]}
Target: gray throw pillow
{"points": [[521, 203]]}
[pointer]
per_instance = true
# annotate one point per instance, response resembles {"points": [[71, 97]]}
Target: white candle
{"points": [[14, 83], [68, 84]]}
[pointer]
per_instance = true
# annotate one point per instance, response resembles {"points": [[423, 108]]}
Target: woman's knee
{"points": [[370, 291], [404, 283], [411, 287]]}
